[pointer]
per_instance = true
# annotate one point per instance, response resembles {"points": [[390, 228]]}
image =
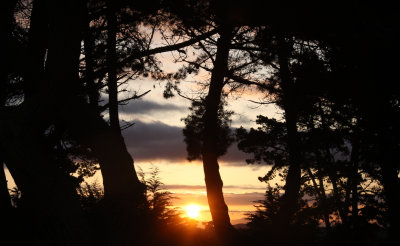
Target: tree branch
{"points": [[158, 50], [124, 101]]}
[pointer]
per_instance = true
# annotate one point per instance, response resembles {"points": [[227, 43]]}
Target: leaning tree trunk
{"points": [[289, 203], [218, 208], [123, 191]]}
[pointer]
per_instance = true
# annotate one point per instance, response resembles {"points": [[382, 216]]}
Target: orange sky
{"points": [[186, 182]]}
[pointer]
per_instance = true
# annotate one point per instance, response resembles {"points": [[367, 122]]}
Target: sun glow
{"points": [[193, 211]]}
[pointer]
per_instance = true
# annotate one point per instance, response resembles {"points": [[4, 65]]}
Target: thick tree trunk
{"points": [[124, 193], [218, 208], [73, 113], [119, 176], [49, 203], [289, 203], [123, 190]]}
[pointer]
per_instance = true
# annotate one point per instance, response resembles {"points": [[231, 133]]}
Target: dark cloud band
{"points": [[144, 106], [158, 141]]}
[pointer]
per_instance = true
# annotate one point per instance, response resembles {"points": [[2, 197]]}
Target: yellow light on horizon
{"points": [[193, 210]]}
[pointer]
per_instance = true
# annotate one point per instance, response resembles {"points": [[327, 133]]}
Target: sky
{"points": [[156, 140]]}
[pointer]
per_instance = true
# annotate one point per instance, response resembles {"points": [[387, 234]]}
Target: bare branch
{"points": [[246, 81]]}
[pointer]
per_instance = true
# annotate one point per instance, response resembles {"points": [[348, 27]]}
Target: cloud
{"points": [[154, 141], [240, 120], [144, 106], [158, 141], [243, 199]]}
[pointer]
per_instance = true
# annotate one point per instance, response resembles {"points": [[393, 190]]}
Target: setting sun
{"points": [[193, 211]]}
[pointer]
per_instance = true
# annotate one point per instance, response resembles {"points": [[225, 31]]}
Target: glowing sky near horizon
{"points": [[156, 140]]}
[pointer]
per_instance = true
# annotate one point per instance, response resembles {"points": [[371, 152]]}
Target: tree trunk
{"points": [[49, 203], [122, 188], [119, 176], [218, 208], [34, 83], [289, 202], [75, 115], [354, 181], [343, 211], [111, 63], [93, 91], [321, 196], [324, 203]]}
